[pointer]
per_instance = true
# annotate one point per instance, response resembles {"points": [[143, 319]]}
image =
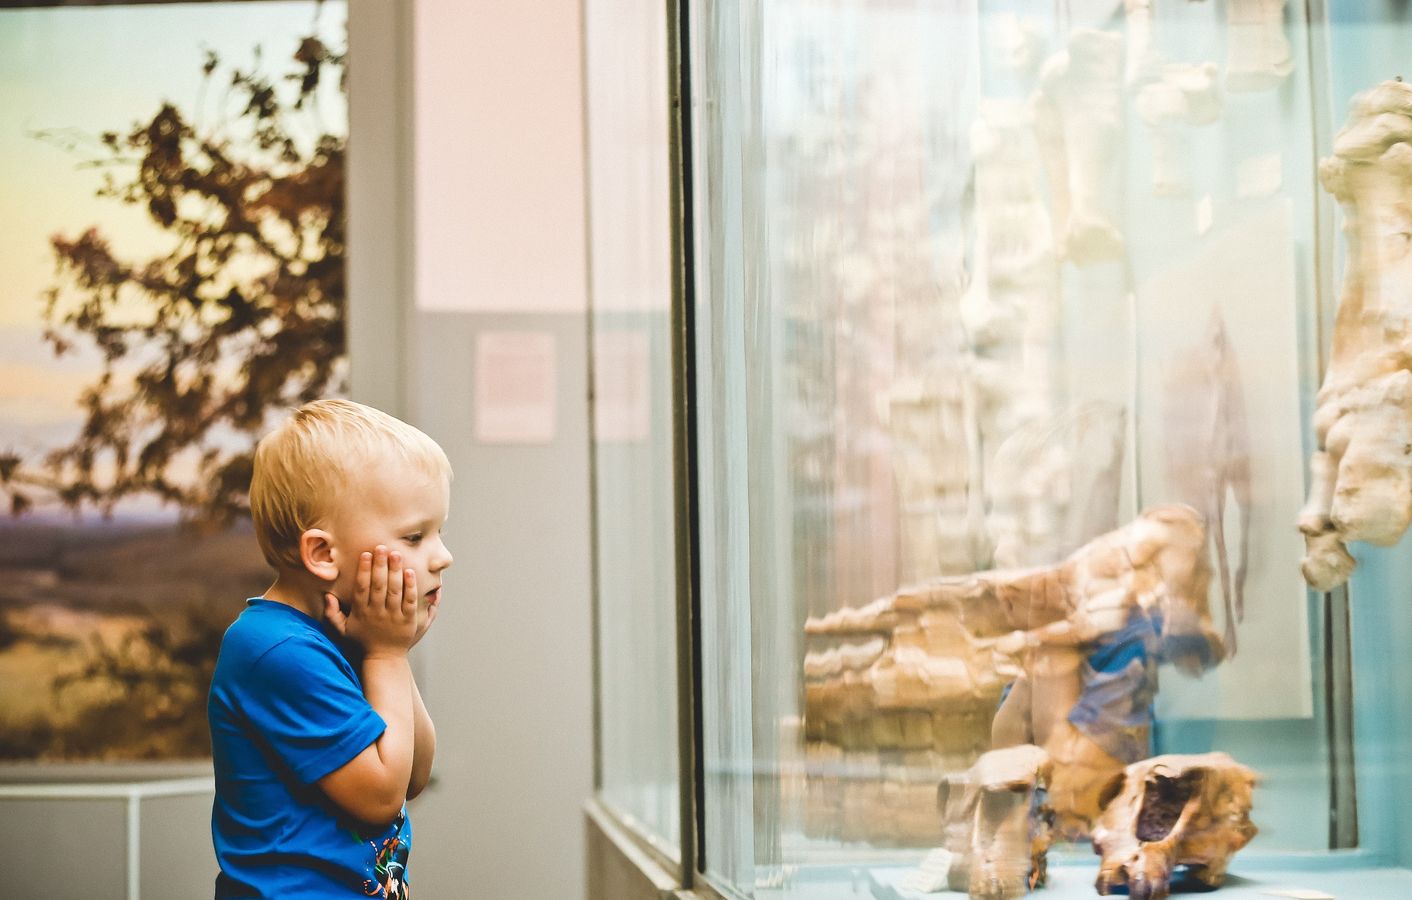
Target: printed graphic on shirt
{"points": [[390, 865]]}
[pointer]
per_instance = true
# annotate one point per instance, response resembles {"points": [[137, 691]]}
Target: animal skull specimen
{"points": [[1361, 475], [1171, 811], [997, 823]]}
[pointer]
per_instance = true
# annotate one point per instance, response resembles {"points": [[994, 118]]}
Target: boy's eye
{"points": [[413, 538]]}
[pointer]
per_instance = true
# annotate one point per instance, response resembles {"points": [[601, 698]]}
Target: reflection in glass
{"points": [[626, 71]]}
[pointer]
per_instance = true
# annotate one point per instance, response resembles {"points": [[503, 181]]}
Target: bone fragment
{"points": [[1078, 119], [1018, 43], [1142, 56], [1361, 475], [1170, 811], [1180, 97], [1258, 55]]}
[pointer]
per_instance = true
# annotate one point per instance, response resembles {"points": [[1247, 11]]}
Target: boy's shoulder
{"points": [[266, 624]]}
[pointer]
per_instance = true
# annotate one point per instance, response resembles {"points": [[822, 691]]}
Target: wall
{"points": [[497, 244]]}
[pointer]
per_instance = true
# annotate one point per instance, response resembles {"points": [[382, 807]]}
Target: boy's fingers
{"points": [[363, 580], [333, 614], [394, 580], [378, 587], [409, 591]]}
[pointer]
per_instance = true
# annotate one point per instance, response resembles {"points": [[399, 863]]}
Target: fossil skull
{"points": [[1171, 811]]}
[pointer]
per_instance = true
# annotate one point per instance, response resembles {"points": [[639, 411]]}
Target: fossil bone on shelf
{"points": [[996, 824], [1361, 475], [894, 674], [1178, 97], [1258, 54], [1079, 123], [1170, 811], [1142, 56]]}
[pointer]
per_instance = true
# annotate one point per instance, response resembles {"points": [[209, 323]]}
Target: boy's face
{"points": [[402, 508]]}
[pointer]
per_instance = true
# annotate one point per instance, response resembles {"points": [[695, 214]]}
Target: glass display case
{"points": [[1048, 448]]}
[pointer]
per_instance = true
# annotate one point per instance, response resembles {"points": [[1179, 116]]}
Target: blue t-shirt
{"points": [[286, 709]]}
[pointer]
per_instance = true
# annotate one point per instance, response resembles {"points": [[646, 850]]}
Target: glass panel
{"points": [[1010, 326], [628, 159], [172, 251]]}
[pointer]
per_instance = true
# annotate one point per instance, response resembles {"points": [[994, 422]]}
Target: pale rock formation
{"points": [[940, 527], [1170, 811], [1053, 485], [1361, 475]]}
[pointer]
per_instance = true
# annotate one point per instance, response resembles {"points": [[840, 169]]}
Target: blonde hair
{"points": [[303, 465]]}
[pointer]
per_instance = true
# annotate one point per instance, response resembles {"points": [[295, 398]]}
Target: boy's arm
{"points": [[423, 746], [382, 618], [372, 786]]}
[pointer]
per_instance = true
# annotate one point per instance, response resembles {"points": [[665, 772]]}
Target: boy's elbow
{"points": [[417, 785], [367, 790], [378, 811]]}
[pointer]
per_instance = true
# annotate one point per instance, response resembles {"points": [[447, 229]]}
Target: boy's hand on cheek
{"points": [[382, 614]]}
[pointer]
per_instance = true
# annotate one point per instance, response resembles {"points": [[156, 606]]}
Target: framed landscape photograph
{"points": [[172, 281]]}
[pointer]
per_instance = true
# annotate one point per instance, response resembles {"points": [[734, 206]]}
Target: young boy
{"points": [[318, 732]]}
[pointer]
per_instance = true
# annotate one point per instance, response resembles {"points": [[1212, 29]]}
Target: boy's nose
{"points": [[442, 560]]}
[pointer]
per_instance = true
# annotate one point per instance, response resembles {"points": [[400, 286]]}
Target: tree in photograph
{"points": [[240, 317]]}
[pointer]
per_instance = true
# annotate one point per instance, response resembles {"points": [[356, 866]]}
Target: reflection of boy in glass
{"points": [[318, 731], [1094, 631]]}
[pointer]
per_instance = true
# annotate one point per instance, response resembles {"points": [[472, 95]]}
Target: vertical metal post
{"points": [[1336, 628], [684, 469], [595, 601], [1338, 705], [134, 844]]}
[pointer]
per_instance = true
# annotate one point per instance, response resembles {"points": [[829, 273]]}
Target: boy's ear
{"points": [[316, 552]]}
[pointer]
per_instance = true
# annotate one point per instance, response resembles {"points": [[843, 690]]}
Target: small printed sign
{"points": [[516, 390]]}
